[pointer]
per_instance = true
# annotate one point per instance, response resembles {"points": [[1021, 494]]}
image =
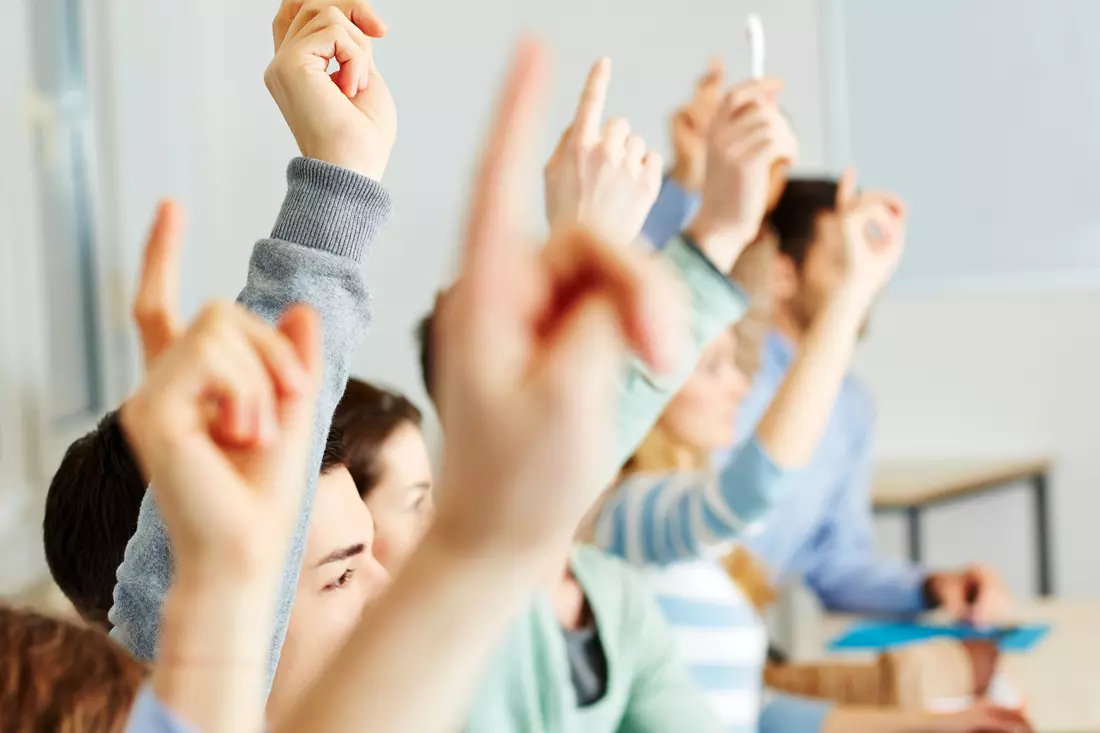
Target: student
{"points": [[61, 676], [389, 461], [332, 214], [679, 524], [823, 531]]}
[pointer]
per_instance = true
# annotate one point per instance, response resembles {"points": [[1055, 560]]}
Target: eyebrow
{"points": [[426, 485], [344, 554]]}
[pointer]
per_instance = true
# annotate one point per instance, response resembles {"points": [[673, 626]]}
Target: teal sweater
{"points": [[528, 687]]}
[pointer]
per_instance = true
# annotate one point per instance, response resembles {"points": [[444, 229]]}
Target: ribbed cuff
{"points": [[331, 209]]}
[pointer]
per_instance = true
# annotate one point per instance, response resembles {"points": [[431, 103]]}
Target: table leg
{"points": [[1043, 570], [913, 516]]}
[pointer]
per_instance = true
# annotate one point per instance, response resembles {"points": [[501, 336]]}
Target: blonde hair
{"points": [[660, 453]]}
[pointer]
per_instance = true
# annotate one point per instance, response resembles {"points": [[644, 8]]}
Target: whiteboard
{"points": [[985, 116]]}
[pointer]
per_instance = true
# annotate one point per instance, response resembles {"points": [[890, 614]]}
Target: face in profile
{"points": [[401, 502], [703, 413], [339, 577]]}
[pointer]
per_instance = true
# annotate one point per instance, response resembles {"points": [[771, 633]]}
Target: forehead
{"points": [[339, 519], [405, 456]]}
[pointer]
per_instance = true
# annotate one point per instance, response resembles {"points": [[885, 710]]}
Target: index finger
{"points": [[155, 304], [497, 208], [586, 124], [846, 189]]}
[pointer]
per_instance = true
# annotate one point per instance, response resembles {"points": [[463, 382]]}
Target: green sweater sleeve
{"points": [[716, 304], [315, 253]]}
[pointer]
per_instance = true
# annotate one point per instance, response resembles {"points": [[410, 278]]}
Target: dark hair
{"points": [[91, 512], [366, 417], [333, 454], [425, 342], [92, 509], [60, 676], [795, 216]]}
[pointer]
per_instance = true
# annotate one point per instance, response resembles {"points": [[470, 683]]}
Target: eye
{"points": [[341, 581]]}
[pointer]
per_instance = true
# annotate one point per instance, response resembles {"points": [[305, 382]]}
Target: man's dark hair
{"points": [[92, 511], [366, 417], [795, 216], [425, 342]]}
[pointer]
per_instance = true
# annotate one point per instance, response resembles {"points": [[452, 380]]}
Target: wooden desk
{"points": [[910, 487], [1059, 678]]}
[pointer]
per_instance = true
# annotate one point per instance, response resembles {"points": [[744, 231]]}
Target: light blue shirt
{"points": [[822, 527]]}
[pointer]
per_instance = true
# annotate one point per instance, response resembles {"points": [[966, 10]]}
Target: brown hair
{"points": [[658, 453], [365, 418], [61, 677]]}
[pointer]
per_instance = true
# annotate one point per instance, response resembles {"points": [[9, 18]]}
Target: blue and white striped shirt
{"points": [[675, 527]]}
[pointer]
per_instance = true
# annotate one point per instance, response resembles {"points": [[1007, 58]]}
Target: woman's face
{"points": [[703, 413], [339, 577], [401, 503]]}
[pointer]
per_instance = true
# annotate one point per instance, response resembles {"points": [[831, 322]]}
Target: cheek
{"points": [[394, 543]]}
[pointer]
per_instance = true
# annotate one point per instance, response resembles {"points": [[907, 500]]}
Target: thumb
{"points": [[155, 304], [951, 592], [846, 189]]}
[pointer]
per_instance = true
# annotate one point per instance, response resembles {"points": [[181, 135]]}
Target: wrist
{"points": [[851, 302], [689, 176], [721, 242]]}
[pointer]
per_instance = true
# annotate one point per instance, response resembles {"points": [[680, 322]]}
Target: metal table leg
{"points": [[1043, 570], [913, 516]]}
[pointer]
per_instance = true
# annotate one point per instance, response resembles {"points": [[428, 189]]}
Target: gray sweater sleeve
{"points": [[329, 219]]}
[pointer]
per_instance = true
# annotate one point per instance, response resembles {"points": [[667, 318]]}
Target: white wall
{"points": [[996, 374]]}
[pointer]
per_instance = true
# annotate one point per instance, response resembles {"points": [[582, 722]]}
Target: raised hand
{"points": [[690, 125], [748, 138], [222, 426], [874, 224], [531, 344], [605, 179], [347, 119]]}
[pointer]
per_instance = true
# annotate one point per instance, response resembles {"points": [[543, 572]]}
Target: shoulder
{"points": [[616, 591]]}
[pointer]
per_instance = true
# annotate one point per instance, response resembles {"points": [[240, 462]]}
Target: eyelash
{"points": [[342, 581]]}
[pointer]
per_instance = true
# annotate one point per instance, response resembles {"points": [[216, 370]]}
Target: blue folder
{"points": [[883, 635]]}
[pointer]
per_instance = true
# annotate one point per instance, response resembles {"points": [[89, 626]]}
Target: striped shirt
{"points": [[675, 526], [719, 636]]}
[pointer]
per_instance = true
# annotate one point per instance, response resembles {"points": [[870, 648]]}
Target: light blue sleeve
{"points": [[149, 715], [843, 569], [791, 714], [665, 518], [671, 212]]}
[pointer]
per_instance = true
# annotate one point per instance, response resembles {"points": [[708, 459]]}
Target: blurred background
{"points": [[981, 113]]}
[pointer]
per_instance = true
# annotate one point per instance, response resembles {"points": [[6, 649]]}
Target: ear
{"points": [[784, 278]]}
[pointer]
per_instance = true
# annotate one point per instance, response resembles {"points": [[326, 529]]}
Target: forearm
{"points": [[716, 304], [879, 720], [860, 582], [419, 648], [692, 514], [329, 219], [210, 669], [796, 418]]}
